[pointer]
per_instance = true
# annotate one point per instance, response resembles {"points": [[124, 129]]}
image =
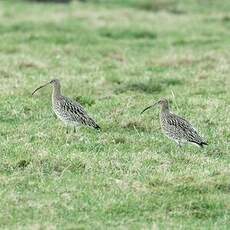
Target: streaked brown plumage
{"points": [[175, 127], [67, 110]]}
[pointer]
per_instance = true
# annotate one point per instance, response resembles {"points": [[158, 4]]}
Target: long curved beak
{"points": [[146, 109], [40, 88], [151, 106]]}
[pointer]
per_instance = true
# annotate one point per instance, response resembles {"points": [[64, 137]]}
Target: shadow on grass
{"points": [[226, 19], [30, 65], [9, 168], [197, 42], [58, 166], [170, 6], [135, 125], [150, 86], [114, 33], [50, 1], [119, 140], [22, 164]]}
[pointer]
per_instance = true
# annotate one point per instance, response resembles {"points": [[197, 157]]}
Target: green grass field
{"points": [[115, 58]]}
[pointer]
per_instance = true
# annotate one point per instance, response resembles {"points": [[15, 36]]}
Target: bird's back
{"points": [[72, 112], [179, 129]]}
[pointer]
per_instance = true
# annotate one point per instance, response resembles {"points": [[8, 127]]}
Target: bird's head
{"points": [[163, 103], [55, 82]]}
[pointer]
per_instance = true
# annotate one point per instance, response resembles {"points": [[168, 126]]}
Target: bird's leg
{"points": [[179, 144], [75, 129]]}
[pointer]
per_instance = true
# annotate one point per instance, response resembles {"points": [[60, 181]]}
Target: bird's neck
{"points": [[165, 108], [56, 90]]}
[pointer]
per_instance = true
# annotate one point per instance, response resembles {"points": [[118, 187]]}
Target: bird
{"points": [[68, 111], [176, 127]]}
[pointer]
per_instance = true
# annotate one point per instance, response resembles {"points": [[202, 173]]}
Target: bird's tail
{"points": [[200, 144], [96, 126], [93, 124]]}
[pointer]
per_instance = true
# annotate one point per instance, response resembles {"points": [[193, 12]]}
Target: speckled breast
{"points": [[61, 113]]}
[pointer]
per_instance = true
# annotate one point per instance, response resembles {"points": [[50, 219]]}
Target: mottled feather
{"points": [[176, 127], [67, 110], [72, 112], [180, 129]]}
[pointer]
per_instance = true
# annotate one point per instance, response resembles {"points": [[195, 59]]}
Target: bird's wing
{"points": [[77, 112], [184, 126]]}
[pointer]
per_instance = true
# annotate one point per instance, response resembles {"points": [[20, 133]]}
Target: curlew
{"points": [[175, 127], [67, 110]]}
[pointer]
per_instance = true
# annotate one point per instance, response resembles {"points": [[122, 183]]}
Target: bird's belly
{"points": [[64, 116], [172, 132]]}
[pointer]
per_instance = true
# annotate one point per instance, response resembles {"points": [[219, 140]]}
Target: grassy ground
{"points": [[115, 57]]}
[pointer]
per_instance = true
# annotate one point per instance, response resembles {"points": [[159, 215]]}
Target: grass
{"points": [[116, 58]]}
